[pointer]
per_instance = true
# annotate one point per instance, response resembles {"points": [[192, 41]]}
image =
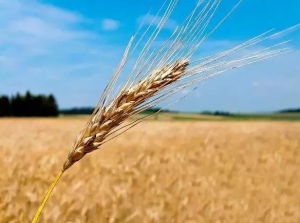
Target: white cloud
{"points": [[150, 19], [110, 24], [40, 28], [255, 83]]}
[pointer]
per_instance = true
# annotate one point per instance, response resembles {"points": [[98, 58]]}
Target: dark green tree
{"points": [[51, 106], [17, 103], [5, 106], [29, 107]]}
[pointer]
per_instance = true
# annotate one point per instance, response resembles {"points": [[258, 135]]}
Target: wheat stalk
{"points": [[160, 73]]}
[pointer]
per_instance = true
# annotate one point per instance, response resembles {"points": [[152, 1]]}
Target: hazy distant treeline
{"points": [[89, 110], [28, 105], [217, 113], [292, 110], [77, 111]]}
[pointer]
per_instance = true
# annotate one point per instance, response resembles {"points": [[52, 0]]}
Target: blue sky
{"points": [[70, 48]]}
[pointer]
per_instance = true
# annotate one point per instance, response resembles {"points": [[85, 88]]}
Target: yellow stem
{"points": [[42, 205]]}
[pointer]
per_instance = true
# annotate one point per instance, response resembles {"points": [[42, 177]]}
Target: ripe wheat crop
{"points": [[195, 172]]}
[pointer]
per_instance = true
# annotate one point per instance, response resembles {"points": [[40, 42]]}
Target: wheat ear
{"points": [[159, 73], [122, 107]]}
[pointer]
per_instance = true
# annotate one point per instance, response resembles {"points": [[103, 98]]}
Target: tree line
{"points": [[28, 105], [291, 110], [89, 110], [77, 111]]}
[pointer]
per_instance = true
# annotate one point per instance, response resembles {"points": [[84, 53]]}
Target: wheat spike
{"points": [[122, 107]]}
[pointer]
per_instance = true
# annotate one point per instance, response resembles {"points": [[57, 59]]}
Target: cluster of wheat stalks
{"points": [[159, 73], [166, 171]]}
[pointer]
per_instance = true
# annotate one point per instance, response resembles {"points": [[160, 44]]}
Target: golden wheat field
{"points": [[159, 171]]}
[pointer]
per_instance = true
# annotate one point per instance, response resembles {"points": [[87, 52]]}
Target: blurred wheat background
{"points": [[159, 171]]}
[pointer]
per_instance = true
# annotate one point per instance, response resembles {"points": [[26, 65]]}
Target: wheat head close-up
{"points": [[156, 72]]}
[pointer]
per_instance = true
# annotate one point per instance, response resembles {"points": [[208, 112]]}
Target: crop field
{"points": [[159, 171]]}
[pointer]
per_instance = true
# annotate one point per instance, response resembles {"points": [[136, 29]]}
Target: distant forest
{"points": [[28, 105]]}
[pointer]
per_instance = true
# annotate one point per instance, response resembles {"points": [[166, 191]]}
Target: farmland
{"points": [[169, 170]]}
